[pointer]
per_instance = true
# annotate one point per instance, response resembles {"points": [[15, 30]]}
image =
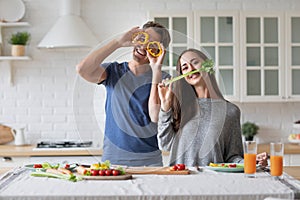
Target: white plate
{"points": [[296, 126], [240, 168], [30, 166], [11, 10], [294, 141]]}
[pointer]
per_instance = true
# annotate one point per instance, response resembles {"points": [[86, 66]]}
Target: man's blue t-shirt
{"points": [[130, 136]]}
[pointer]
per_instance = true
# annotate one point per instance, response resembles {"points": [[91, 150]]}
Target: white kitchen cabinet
{"points": [[180, 27], [293, 56], [217, 34], [256, 54], [270, 61], [263, 59]]}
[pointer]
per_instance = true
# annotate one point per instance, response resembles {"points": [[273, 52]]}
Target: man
{"points": [[132, 102]]}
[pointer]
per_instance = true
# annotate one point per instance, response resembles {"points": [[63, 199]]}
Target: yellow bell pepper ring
{"points": [[140, 37], [154, 48]]}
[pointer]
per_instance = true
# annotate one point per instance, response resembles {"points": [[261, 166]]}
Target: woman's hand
{"points": [[156, 62], [262, 159], [126, 39], [166, 95]]}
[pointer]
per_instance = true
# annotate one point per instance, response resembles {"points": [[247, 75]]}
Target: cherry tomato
{"points": [[173, 168], [232, 165], [94, 172], [180, 166], [108, 172], [115, 172], [37, 166], [102, 172], [67, 166]]}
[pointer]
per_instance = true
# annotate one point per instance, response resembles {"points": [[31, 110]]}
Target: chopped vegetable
{"points": [[68, 177], [154, 48], [207, 66], [140, 37]]}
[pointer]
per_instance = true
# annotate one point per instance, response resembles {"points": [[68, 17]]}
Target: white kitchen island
{"points": [[197, 185]]}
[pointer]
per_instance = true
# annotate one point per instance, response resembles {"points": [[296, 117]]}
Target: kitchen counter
{"points": [[206, 184], [289, 148], [29, 150]]}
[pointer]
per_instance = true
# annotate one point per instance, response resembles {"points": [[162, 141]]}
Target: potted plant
{"points": [[19, 40], [249, 130]]}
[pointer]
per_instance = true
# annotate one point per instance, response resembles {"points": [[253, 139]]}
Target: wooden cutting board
{"points": [[155, 170], [119, 177], [5, 134]]}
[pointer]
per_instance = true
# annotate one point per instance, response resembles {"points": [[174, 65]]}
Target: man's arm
{"points": [[90, 67]]}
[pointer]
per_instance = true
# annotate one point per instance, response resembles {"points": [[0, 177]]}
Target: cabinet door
{"points": [[180, 27], [216, 33], [293, 56], [262, 57]]}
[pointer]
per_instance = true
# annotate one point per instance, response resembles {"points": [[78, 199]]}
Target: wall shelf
{"points": [[7, 67], [6, 61], [12, 58]]}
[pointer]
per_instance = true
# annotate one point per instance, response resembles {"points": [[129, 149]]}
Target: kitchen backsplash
{"points": [[53, 103]]}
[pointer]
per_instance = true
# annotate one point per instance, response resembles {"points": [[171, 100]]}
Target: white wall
{"points": [[54, 103]]}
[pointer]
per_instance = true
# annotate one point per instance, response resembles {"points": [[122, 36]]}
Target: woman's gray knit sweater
{"points": [[213, 135]]}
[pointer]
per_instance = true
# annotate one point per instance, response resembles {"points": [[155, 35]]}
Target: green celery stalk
{"points": [[207, 66], [69, 177]]}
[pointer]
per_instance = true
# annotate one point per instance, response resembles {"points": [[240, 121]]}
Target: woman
{"points": [[196, 124]]}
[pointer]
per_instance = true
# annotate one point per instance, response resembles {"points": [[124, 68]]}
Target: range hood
{"points": [[70, 31]]}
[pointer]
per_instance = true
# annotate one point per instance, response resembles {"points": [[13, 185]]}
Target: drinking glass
{"points": [[276, 158], [250, 151]]}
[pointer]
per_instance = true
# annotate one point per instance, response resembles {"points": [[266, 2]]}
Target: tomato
{"points": [[37, 166], [173, 168], [232, 165], [108, 172], [94, 172], [102, 172], [115, 172], [67, 166], [180, 166]]}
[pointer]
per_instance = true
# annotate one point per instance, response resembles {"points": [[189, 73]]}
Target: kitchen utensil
{"points": [[18, 135], [5, 134]]}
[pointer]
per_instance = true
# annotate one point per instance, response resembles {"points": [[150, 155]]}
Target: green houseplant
{"points": [[18, 41], [249, 130]]}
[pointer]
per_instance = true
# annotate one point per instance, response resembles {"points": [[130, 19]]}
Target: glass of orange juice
{"points": [[250, 150], [276, 158]]}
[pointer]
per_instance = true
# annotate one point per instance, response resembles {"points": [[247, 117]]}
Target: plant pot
{"points": [[249, 138], [17, 50]]}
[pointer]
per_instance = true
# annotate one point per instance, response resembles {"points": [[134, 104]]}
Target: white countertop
{"points": [[198, 185]]}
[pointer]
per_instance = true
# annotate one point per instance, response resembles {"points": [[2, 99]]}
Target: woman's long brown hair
{"points": [[185, 98]]}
